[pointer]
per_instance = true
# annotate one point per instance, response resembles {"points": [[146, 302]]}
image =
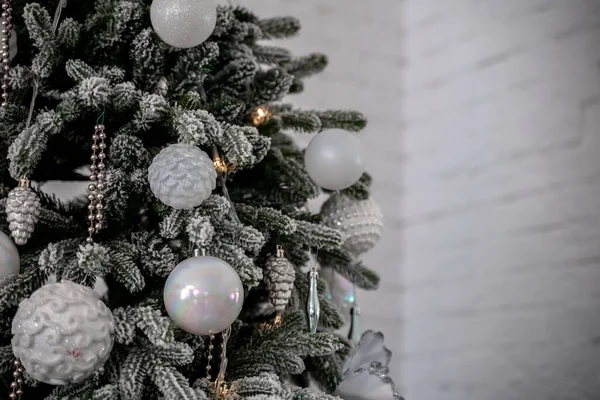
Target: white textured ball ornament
{"points": [[62, 333], [10, 262], [183, 23], [182, 176], [333, 159], [203, 295], [361, 221]]}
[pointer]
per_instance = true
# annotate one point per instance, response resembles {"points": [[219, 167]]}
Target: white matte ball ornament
{"points": [[333, 159], [10, 262], [182, 176], [62, 333], [183, 23], [361, 221], [203, 295]]}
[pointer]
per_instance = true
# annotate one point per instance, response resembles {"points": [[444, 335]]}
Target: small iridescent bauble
{"points": [[10, 262], [361, 221], [182, 176], [333, 159], [183, 23], [203, 295], [62, 333]]}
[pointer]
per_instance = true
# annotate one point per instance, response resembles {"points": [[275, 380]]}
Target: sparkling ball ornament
{"points": [[22, 212], [62, 333], [203, 295], [182, 176], [361, 221], [10, 262], [183, 23], [279, 277], [333, 159]]}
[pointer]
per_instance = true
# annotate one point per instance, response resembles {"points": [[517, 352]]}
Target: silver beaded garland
{"points": [[5, 49], [16, 384], [96, 186]]}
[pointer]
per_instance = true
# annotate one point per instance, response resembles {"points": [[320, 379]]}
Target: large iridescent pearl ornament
{"points": [[361, 221], [62, 333], [333, 159], [182, 176], [10, 262], [203, 295], [183, 23]]}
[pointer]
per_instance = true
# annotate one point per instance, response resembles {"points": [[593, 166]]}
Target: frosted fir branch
{"points": [[306, 66], [106, 392], [247, 238], [124, 328], [197, 127], [157, 328], [249, 273], [318, 236], [68, 33], [266, 219], [236, 75], [6, 359], [200, 231], [352, 121], [94, 92], [236, 147], [51, 258], [192, 68], [128, 153], [148, 59], [93, 258], [79, 390], [295, 175], [133, 373], [156, 258], [262, 385], [191, 100], [174, 223], [301, 121], [216, 207], [308, 394], [176, 354], [78, 70], [271, 55], [361, 189], [171, 383], [271, 86], [225, 107], [126, 271], [125, 96], [279, 27], [15, 288], [260, 144], [345, 265], [152, 109]]}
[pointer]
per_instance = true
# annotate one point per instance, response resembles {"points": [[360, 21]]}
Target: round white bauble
{"points": [[183, 23], [182, 176], [10, 262], [62, 333], [203, 295], [333, 159], [361, 221]]}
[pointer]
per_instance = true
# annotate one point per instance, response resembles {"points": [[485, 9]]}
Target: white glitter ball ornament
{"points": [[333, 159], [183, 23], [361, 221], [182, 176], [203, 295], [10, 262], [62, 333]]}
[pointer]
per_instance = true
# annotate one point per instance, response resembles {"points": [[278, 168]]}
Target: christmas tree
{"points": [[195, 218]]}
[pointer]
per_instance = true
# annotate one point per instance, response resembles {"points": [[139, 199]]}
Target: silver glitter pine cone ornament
{"points": [[22, 212], [361, 221], [279, 277]]}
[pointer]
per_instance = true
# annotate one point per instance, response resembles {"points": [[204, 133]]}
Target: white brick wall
{"points": [[501, 200]]}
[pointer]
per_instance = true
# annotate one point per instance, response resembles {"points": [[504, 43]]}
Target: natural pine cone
{"points": [[22, 213], [279, 277]]}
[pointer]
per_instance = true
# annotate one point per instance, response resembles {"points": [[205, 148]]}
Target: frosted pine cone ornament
{"points": [[279, 278], [22, 212], [182, 176], [62, 333], [361, 221]]}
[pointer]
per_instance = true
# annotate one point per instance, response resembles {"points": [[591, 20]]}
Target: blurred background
{"points": [[484, 142]]}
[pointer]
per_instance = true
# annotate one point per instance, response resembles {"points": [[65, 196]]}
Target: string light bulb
{"points": [[261, 115]]}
